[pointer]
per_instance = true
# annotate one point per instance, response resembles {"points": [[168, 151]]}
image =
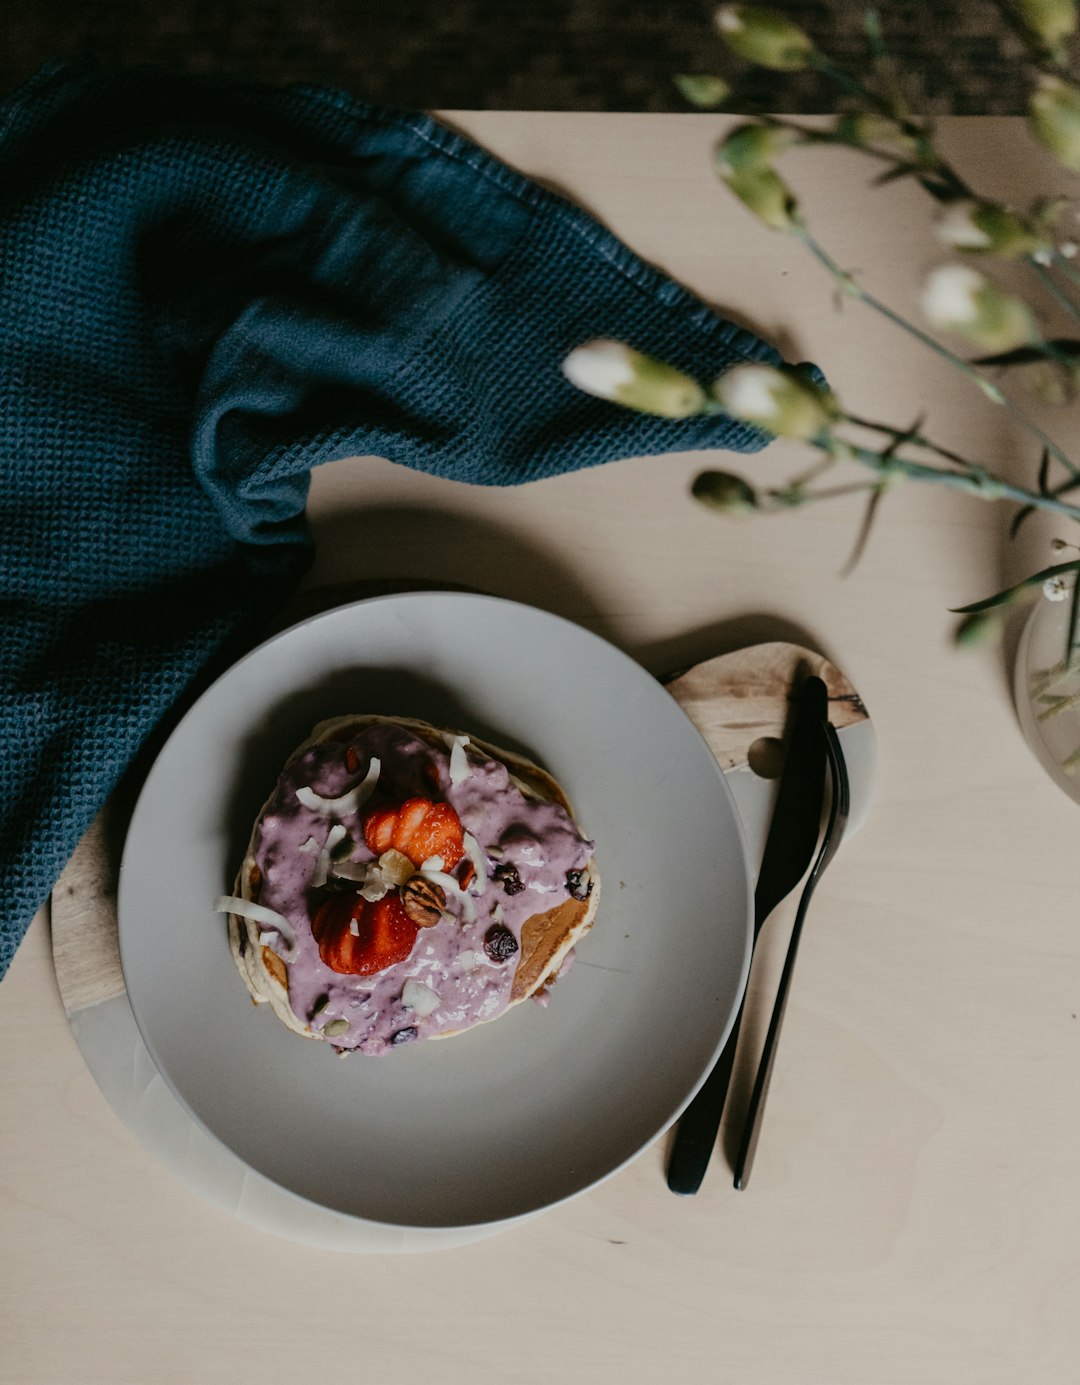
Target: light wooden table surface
{"points": [[915, 1209]]}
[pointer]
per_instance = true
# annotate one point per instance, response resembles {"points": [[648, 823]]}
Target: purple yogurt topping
{"points": [[539, 839]]}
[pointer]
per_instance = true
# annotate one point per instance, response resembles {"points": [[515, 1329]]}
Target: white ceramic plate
{"points": [[514, 1116]]}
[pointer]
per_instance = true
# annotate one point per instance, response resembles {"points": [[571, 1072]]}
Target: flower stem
{"points": [[1061, 705], [975, 480], [1072, 632], [826, 493], [1066, 267], [1053, 288], [913, 436]]}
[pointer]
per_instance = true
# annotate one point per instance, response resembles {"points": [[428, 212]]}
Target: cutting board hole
{"points": [[766, 757]]}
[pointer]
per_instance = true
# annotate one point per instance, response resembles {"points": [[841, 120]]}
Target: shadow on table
{"points": [[668, 657]]}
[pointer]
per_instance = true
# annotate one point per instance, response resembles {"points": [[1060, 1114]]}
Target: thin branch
{"points": [[1053, 288], [1065, 266], [975, 481], [912, 436]]}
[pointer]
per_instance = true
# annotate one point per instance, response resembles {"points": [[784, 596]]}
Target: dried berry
{"points": [[424, 901], [499, 943], [352, 760], [404, 1036], [508, 878], [579, 883]]}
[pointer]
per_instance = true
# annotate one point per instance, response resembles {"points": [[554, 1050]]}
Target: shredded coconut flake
{"points": [[459, 761], [476, 856], [322, 865], [350, 870], [451, 886], [310, 847], [349, 802], [419, 997], [257, 913]]}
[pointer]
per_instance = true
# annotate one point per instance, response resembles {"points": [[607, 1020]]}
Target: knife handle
{"points": [[695, 1138]]}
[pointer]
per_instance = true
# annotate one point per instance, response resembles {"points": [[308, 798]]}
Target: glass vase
{"points": [[1047, 689]]}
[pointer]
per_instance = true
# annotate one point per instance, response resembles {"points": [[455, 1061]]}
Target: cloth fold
{"points": [[206, 289]]}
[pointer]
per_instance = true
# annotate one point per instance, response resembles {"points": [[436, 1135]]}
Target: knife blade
{"points": [[789, 848]]}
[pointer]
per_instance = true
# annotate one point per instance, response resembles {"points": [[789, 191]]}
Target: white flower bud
{"points": [[783, 402], [753, 146], [957, 298], [1055, 118], [985, 228], [956, 227], [764, 37], [612, 370], [703, 91], [865, 128], [723, 491], [765, 193], [1049, 20]]}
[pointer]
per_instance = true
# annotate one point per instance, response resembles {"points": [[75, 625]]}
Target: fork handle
{"points": [[695, 1138], [744, 1162]]}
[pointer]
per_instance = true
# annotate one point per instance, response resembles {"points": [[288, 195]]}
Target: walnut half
{"points": [[423, 900]]}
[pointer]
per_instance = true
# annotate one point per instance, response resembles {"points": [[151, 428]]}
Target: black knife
{"points": [[789, 849]]}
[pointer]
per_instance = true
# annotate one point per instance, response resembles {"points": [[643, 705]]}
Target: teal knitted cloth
{"points": [[208, 288]]}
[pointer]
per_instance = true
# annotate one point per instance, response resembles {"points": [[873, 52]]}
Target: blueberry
{"points": [[579, 884], [404, 1036], [499, 943], [507, 876]]}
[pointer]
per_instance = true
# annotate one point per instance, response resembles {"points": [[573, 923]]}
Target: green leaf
{"points": [[938, 188], [1044, 472], [1018, 519], [1025, 355], [1044, 489], [895, 173], [1003, 598], [864, 531]]}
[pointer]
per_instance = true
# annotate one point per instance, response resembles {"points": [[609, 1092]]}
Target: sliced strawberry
{"points": [[418, 829], [438, 834], [411, 815], [385, 934], [379, 829]]}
